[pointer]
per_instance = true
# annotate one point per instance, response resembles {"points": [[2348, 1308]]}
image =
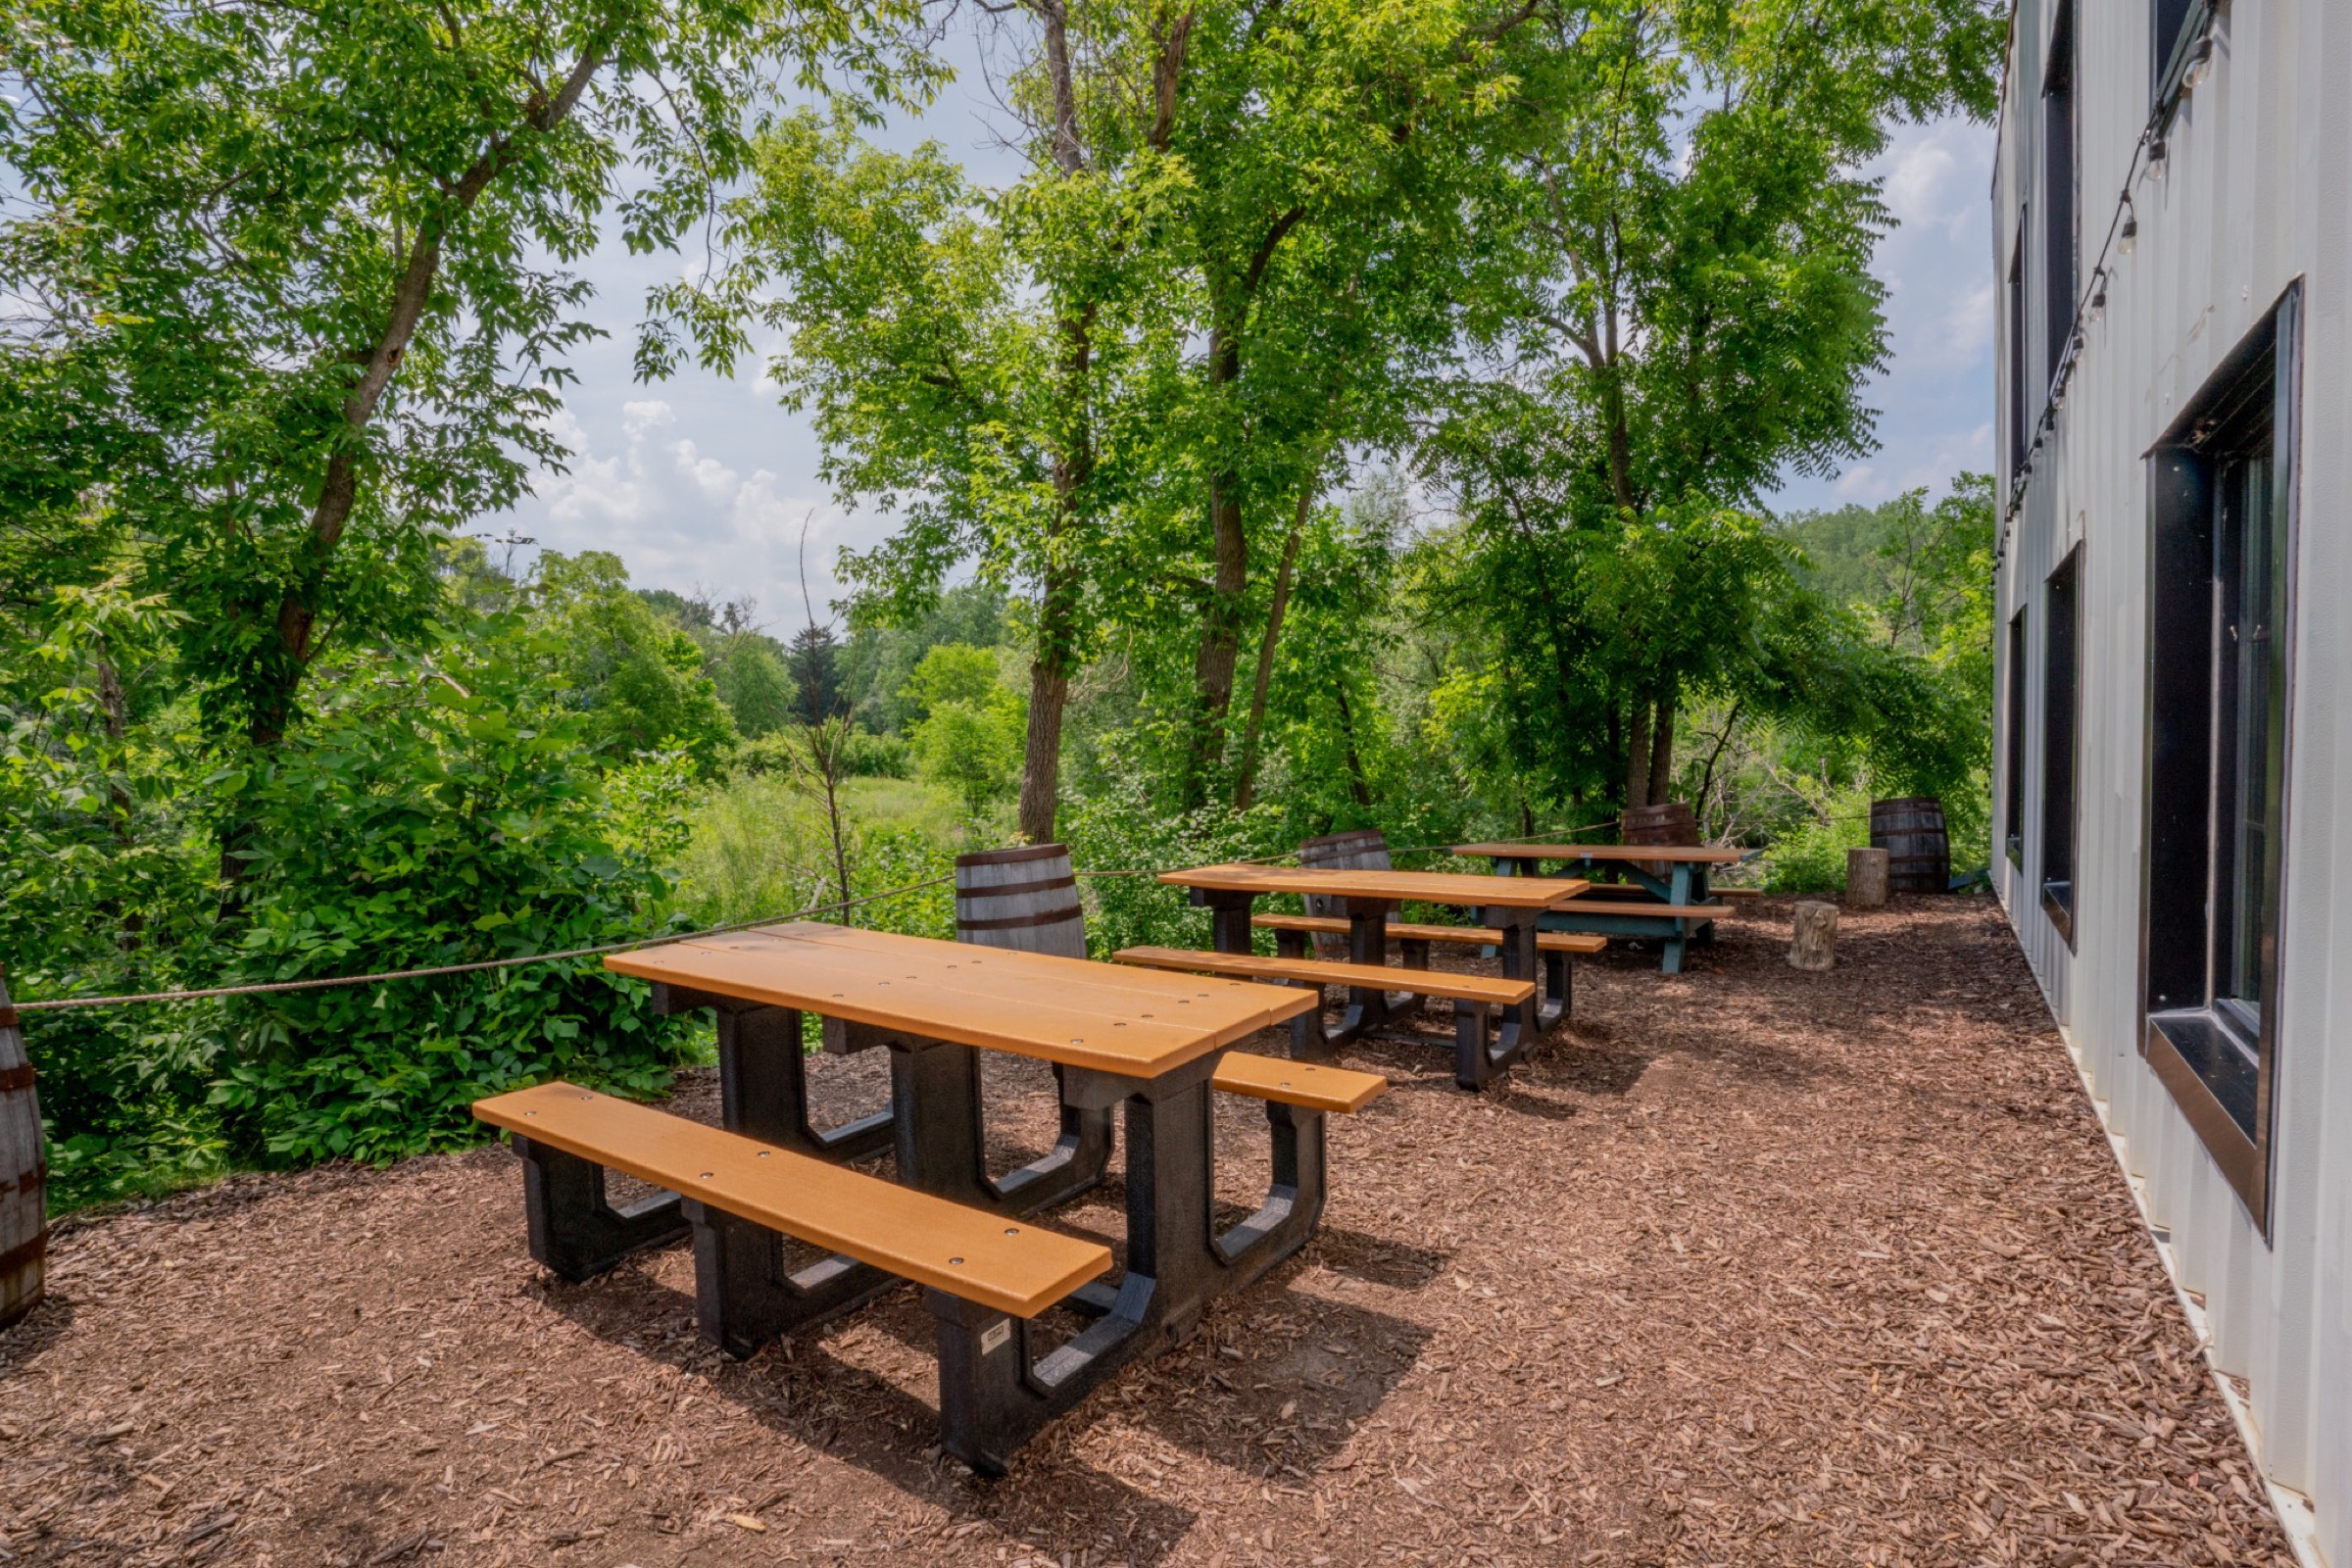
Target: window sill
{"points": [[2217, 1088]]}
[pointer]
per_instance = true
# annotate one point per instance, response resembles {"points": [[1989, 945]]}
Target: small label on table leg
{"points": [[993, 1339]]}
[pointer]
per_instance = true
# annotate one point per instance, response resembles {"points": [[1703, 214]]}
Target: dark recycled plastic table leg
{"points": [[574, 1230], [763, 1079], [1229, 926], [1476, 1060], [995, 1393], [941, 1129], [1227, 917], [743, 1295], [1678, 892]]}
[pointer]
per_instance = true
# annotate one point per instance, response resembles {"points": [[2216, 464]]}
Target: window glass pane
{"points": [[2061, 687], [2250, 582]]}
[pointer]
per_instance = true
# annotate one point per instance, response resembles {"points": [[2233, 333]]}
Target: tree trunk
{"points": [[1056, 621], [1814, 946], [1661, 750], [1357, 784], [1041, 756], [1246, 785], [1636, 756]]}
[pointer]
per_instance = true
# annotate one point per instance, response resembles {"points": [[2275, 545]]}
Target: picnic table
{"points": [[1669, 879], [1366, 898], [1153, 1045]]}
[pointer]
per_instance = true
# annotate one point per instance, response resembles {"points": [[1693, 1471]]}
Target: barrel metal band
{"points": [[1032, 852], [25, 1253], [1015, 922], [8, 1017], [16, 1078], [1046, 885]]}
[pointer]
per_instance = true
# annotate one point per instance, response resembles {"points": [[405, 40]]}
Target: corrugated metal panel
{"points": [[2259, 192]]}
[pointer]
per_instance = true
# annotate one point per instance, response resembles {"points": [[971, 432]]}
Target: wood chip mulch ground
{"points": [[1748, 1265]]}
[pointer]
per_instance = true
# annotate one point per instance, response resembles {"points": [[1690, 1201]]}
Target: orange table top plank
{"points": [[1429, 887], [1695, 853], [1071, 1010], [1021, 1268]]}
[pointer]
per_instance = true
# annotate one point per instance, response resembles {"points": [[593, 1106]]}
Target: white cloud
{"points": [[639, 417], [717, 482]]}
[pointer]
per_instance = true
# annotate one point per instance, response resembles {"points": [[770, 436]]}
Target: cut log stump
{"points": [[1866, 878], [1816, 935]]}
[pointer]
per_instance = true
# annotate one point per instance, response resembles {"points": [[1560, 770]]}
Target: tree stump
{"points": [[1865, 877], [1816, 935]]}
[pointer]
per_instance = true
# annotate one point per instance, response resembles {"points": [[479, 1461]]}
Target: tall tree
{"points": [[1701, 317], [307, 242]]}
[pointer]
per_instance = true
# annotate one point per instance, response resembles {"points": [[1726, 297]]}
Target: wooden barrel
{"points": [[1363, 849], [1667, 822], [1919, 857], [23, 1174], [1024, 899]]}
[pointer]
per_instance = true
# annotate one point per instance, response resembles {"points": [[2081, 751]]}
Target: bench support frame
{"points": [[1685, 883], [763, 1078], [744, 1296], [574, 1230], [996, 1390], [1484, 1042]]}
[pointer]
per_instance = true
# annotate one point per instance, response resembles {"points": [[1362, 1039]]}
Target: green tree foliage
{"points": [[1696, 317], [969, 724], [638, 681], [319, 255], [885, 646], [816, 675], [435, 812]]}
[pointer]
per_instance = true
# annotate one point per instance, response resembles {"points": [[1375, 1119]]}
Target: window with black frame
{"points": [[2061, 265], [2017, 350], [2167, 25], [2061, 697], [2013, 814], [2222, 487]]}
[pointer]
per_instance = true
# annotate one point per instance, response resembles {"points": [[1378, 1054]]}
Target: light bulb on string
{"points": [[2098, 300], [2127, 238], [2156, 158], [2200, 64]]}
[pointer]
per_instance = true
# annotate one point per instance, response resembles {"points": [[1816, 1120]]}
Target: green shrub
{"points": [[1810, 858], [437, 811]]}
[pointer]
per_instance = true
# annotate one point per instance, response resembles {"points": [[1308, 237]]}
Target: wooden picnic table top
{"points": [[1139, 1023], [1695, 854], [1429, 887]]}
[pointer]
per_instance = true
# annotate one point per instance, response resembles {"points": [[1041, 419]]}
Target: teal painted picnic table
{"points": [[1667, 898]]}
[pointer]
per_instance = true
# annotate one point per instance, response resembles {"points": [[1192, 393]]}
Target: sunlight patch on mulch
{"points": [[1747, 1265]]}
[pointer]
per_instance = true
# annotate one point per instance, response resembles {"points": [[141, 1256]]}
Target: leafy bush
{"points": [[107, 879], [436, 812], [863, 755], [1811, 856], [1123, 830]]}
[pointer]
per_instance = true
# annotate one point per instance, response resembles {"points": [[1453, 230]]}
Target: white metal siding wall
{"points": [[2259, 192]]}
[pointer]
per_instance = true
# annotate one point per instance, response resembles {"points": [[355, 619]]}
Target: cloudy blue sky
{"points": [[703, 484]]}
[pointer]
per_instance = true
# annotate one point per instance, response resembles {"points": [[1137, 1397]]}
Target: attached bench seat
{"points": [[1017, 1269], [1412, 931], [1657, 909], [1306, 1085], [1473, 995], [1474, 988], [1737, 893]]}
